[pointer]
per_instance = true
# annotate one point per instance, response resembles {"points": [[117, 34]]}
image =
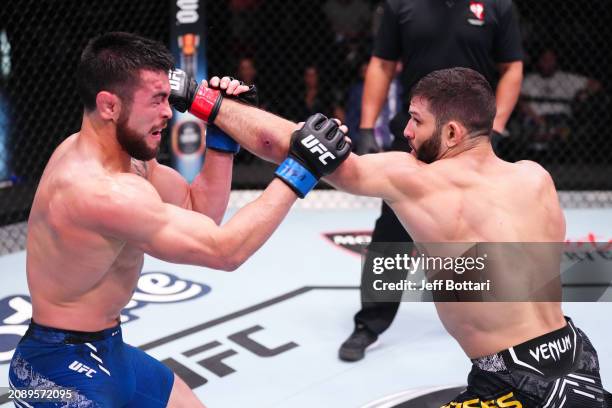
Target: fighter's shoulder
{"points": [[531, 171], [532, 167], [121, 186], [400, 163], [417, 177], [107, 195]]}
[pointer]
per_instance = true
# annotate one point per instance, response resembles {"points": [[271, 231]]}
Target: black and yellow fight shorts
{"points": [[557, 370]]}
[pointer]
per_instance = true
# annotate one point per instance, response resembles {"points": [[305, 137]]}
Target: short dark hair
{"points": [[112, 62], [460, 94]]}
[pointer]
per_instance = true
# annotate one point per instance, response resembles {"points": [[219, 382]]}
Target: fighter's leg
{"points": [[182, 396], [156, 386], [378, 310]]}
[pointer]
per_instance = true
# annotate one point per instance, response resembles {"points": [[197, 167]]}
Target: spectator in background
{"points": [[549, 95], [246, 71], [384, 135], [313, 98]]}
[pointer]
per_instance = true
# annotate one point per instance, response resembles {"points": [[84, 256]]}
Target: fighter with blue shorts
{"points": [[103, 201], [98, 369]]}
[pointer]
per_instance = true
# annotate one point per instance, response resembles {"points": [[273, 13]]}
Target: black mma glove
{"points": [[316, 150]]}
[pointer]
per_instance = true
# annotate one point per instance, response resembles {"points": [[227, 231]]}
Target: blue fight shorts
{"points": [[99, 368]]}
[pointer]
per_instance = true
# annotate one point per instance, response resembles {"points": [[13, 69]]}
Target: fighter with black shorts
{"points": [[557, 369]]}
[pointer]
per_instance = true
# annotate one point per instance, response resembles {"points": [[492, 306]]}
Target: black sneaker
{"points": [[353, 349]]}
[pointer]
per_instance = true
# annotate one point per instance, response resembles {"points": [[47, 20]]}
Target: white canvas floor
{"points": [[280, 319]]}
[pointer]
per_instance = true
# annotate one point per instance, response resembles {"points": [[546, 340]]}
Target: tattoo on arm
{"points": [[140, 167]]}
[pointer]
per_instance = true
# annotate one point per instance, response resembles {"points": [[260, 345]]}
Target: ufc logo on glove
{"points": [[176, 78], [311, 143]]}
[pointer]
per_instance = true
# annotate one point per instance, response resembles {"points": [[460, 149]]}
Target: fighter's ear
{"points": [[454, 133], [108, 105]]}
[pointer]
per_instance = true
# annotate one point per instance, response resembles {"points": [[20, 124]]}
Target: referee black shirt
{"points": [[427, 35]]}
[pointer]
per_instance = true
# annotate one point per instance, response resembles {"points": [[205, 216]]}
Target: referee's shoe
{"points": [[354, 348]]}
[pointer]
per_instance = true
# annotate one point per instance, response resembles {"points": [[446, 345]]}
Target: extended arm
{"points": [[129, 209], [385, 175], [262, 133], [268, 136]]}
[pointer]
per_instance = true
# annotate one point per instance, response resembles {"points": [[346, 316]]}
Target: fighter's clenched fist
{"points": [[316, 150]]}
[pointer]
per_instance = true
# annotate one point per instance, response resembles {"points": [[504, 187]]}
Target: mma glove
{"points": [[367, 142], [315, 151], [204, 103]]}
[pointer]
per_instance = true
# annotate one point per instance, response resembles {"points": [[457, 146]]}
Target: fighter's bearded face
{"points": [[142, 119], [422, 132]]}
